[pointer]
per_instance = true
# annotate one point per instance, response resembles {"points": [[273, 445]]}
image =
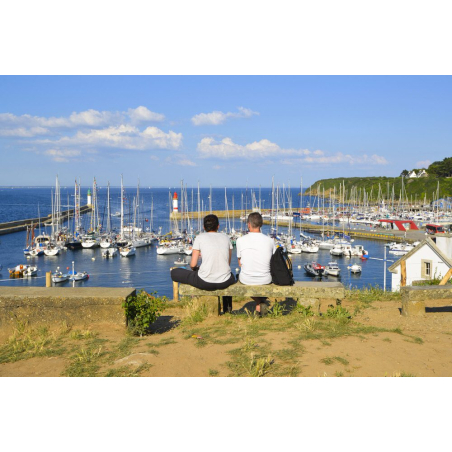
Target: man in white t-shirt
{"points": [[254, 251], [215, 249]]}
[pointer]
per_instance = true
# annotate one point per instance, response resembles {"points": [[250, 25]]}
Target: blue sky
{"points": [[225, 131]]}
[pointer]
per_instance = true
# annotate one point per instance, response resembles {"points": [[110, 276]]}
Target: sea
{"points": [[148, 270]]}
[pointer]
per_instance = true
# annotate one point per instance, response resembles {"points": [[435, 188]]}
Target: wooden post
{"points": [[446, 278], [403, 274], [175, 289], [48, 279]]}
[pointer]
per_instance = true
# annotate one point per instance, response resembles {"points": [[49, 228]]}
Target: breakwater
{"points": [[21, 225]]}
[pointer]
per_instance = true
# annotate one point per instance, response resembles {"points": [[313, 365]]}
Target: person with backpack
{"points": [[254, 252]]}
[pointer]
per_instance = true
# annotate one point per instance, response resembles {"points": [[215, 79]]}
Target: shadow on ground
{"points": [[163, 324]]}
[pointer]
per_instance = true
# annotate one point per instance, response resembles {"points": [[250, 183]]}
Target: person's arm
{"points": [[240, 262], [194, 259]]}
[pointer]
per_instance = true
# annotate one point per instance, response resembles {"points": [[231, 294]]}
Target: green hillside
{"points": [[415, 188]]}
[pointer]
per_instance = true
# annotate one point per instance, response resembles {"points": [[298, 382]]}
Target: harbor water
{"points": [[146, 269]]}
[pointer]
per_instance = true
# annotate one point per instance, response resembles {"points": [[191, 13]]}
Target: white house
{"points": [[428, 260], [422, 173], [412, 174]]}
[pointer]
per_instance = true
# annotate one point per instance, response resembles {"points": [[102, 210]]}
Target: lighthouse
{"points": [[89, 200], [175, 206]]}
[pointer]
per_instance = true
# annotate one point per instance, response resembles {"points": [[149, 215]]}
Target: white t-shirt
{"points": [[214, 248], [255, 251]]}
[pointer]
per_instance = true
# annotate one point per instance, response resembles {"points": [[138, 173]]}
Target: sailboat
{"points": [[127, 249]]}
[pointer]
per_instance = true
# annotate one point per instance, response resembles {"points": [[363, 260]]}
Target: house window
{"points": [[426, 269]]}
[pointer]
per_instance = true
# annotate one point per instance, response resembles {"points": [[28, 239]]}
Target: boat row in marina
{"points": [[331, 269]]}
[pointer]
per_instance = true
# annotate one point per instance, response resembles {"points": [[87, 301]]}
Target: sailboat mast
{"points": [[122, 209]]}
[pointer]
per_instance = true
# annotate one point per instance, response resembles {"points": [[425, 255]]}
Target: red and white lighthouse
{"points": [[175, 203]]}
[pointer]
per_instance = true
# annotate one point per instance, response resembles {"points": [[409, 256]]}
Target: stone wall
{"points": [[54, 305], [415, 299]]}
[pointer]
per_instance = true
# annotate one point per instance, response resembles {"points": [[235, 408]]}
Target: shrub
{"points": [[142, 310]]}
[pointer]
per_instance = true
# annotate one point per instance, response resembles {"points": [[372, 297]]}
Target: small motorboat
{"points": [[109, 252], [181, 261], [355, 268], [314, 269], [337, 251], [332, 269], [59, 277], [127, 251], [30, 271], [78, 276], [19, 271]]}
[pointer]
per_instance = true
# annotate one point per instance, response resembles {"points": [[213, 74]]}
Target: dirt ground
{"points": [[397, 346]]}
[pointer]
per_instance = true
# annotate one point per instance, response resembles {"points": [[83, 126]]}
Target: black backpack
{"points": [[281, 268]]}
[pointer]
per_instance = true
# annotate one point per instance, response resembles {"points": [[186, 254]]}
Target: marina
{"points": [[154, 237]]}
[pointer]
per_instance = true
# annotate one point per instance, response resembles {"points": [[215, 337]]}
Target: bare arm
{"points": [[194, 258], [240, 262]]}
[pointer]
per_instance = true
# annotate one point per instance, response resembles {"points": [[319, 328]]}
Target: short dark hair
{"points": [[255, 218], [211, 223]]}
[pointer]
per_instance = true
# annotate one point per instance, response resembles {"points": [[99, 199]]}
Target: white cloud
{"points": [[62, 156], [185, 162], [24, 132], [227, 149], [142, 114], [218, 117], [123, 136], [30, 126], [423, 164]]}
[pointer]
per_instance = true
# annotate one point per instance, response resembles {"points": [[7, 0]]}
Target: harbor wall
{"points": [[46, 306], [21, 225]]}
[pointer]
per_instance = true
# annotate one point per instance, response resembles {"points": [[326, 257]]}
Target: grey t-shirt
{"points": [[214, 248], [255, 251]]}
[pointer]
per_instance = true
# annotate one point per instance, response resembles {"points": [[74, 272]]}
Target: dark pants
{"points": [[183, 276]]}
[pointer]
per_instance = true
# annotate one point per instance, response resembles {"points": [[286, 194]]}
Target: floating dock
{"points": [[21, 225]]}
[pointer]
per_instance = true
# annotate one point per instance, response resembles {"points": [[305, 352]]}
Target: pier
{"points": [[21, 225], [389, 235]]}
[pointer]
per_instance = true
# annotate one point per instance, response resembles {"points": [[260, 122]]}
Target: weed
{"points": [[86, 334], [213, 373], [338, 312], [27, 342], [402, 374], [386, 339], [329, 361], [307, 325], [371, 293], [258, 367], [194, 313], [305, 311], [339, 374], [277, 310]]}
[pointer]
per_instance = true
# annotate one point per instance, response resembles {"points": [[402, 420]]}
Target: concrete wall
{"points": [[54, 305]]}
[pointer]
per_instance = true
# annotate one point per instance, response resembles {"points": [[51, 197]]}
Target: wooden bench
{"points": [[306, 293]]}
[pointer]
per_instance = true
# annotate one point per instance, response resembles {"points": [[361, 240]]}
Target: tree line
{"points": [[441, 168]]}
